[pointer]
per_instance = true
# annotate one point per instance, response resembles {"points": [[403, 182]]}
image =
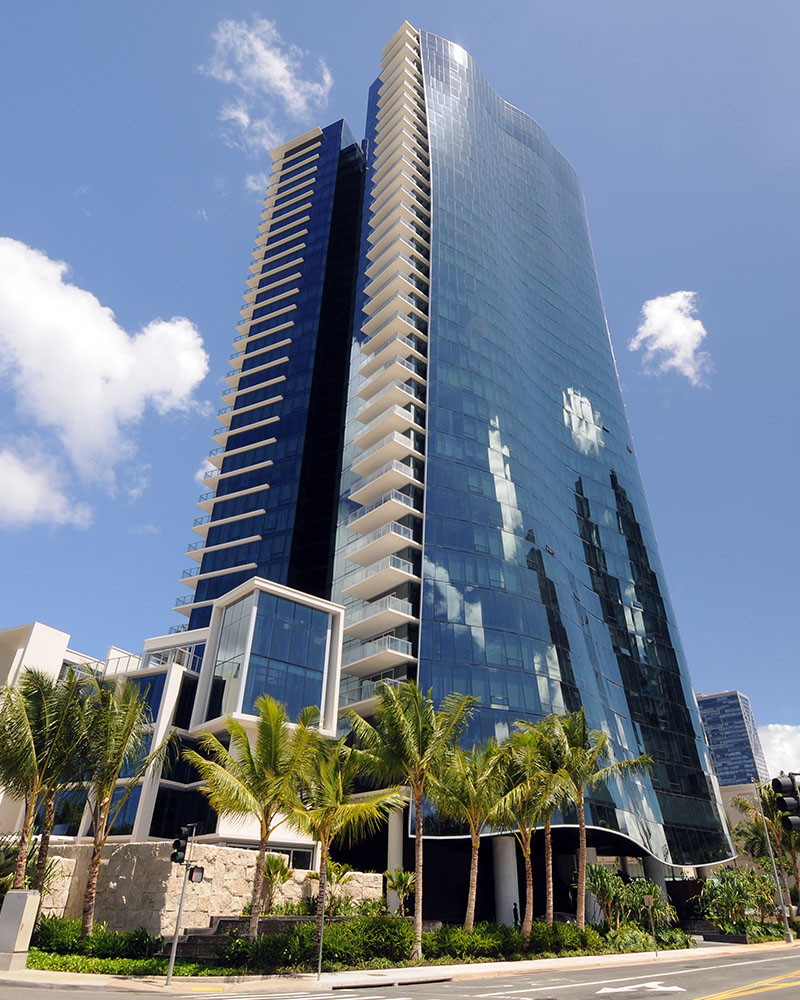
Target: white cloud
{"points": [[201, 215], [204, 467], [268, 71], [76, 373], [256, 183], [147, 528], [671, 335], [32, 493], [781, 746]]}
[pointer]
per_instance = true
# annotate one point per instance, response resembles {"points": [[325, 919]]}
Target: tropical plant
{"points": [[660, 913], [9, 849], [608, 889], [328, 809], [39, 739], [276, 874], [772, 820], [585, 765], [469, 791], [407, 741], [116, 734], [726, 897], [337, 875], [257, 780], [402, 884]]}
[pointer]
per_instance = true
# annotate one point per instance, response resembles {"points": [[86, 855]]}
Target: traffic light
{"points": [[178, 855], [788, 789]]}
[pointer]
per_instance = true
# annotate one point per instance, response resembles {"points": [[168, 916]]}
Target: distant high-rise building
{"points": [[732, 737], [425, 424]]}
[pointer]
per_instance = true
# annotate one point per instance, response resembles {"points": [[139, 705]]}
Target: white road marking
{"points": [[626, 979], [653, 987]]}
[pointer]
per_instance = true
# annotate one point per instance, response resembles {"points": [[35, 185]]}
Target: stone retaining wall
{"points": [[138, 885]]}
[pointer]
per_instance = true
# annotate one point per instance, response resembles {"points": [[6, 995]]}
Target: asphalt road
{"points": [[693, 979]]}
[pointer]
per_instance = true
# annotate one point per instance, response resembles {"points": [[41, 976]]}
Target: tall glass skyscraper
{"points": [[732, 735], [491, 534]]}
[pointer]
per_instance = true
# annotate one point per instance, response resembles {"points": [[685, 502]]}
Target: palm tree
{"points": [[409, 739], [402, 884], [531, 791], [258, 780], [772, 820], [328, 809], [584, 764], [552, 781], [39, 738], [469, 791], [116, 734]]}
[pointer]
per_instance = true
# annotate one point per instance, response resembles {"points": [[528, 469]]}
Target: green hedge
{"points": [[59, 936]]}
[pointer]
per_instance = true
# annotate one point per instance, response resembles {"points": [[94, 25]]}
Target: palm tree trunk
{"points": [[323, 884], [44, 842], [258, 881], [527, 920], [87, 922], [548, 872], [469, 921], [581, 907], [24, 840], [416, 951]]}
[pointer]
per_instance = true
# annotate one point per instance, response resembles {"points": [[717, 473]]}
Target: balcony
{"points": [[378, 617], [398, 323], [394, 369], [393, 446], [361, 695], [395, 393], [372, 581], [378, 544], [378, 654], [399, 347], [389, 507], [395, 418], [393, 475]]}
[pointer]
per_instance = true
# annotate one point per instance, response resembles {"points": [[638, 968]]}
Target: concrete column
{"points": [[655, 871], [623, 864], [506, 884], [394, 852], [17, 918]]}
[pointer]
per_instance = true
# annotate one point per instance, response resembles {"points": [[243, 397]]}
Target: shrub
{"points": [[674, 937], [541, 938], [592, 940], [566, 937], [629, 937], [58, 935]]}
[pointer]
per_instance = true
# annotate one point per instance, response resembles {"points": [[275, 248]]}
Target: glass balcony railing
{"points": [[393, 528], [386, 644], [355, 689], [367, 611], [394, 495], [390, 562]]}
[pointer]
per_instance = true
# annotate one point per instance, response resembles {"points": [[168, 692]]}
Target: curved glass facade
{"points": [[532, 578]]}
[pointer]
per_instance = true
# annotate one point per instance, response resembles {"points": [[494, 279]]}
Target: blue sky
{"points": [[133, 139]]}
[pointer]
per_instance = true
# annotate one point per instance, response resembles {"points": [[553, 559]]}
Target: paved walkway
{"points": [[362, 979]]}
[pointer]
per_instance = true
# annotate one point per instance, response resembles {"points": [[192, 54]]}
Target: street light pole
{"points": [[788, 937], [186, 870]]}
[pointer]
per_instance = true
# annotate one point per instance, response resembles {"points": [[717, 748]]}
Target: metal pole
{"points": [[186, 867], [788, 937], [653, 930], [322, 930], [174, 947]]}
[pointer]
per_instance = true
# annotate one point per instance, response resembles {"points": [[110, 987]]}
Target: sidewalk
{"points": [[369, 978]]}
